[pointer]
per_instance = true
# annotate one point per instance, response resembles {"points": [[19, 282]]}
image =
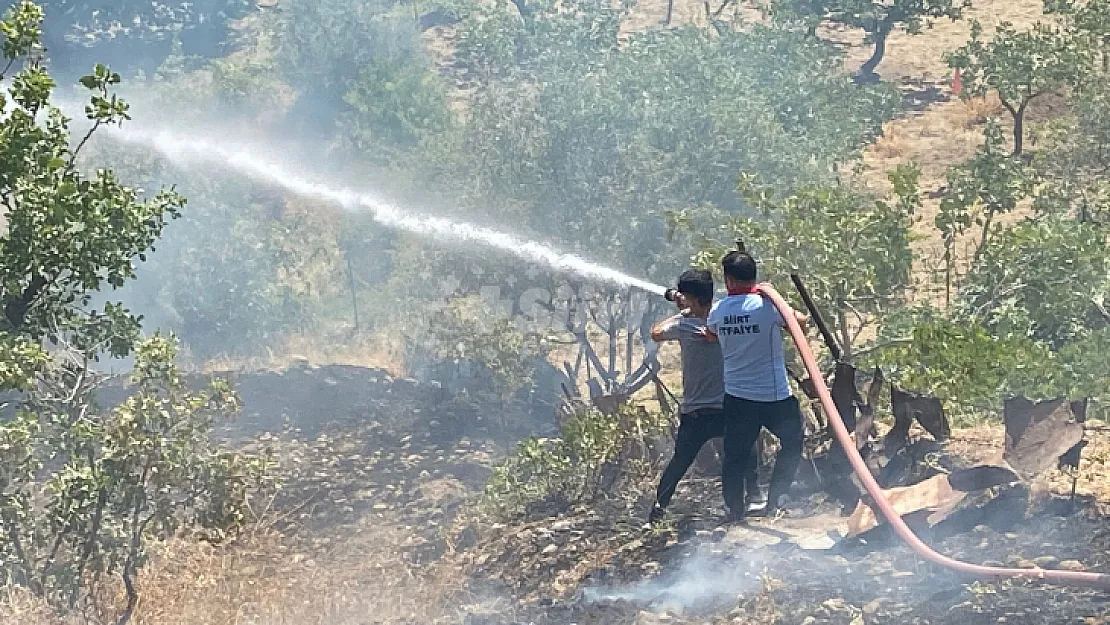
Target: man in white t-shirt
{"points": [[757, 389]]}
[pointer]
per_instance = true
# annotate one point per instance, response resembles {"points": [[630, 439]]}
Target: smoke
{"points": [[184, 150], [704, 581]]}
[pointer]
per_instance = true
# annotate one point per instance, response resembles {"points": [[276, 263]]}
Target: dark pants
{"points": [[694, 431], [744, 419]]}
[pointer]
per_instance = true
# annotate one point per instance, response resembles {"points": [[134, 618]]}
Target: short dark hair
{"points": [[739, 266], [698, 284]]}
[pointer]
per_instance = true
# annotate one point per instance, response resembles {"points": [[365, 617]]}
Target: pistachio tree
{"points": [[1087, 17], [1020, 66], [989, 184], [67, 235], [1037, 280], [83, 489], [877, 19], [851, 249]]}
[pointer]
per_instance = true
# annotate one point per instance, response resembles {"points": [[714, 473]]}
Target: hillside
{"points": [[420, 474]]}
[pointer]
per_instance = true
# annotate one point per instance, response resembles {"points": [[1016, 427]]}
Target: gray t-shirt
{"points": [[703, 375]]}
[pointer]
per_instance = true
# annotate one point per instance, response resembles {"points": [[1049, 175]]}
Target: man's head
{"points": [[739, 268], [696, 287]]}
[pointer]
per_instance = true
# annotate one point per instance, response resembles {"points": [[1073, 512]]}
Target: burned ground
{"points": [[378, 522]]}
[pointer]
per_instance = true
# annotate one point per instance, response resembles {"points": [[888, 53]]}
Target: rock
{"points": [[873, 606], [1072, 565], [837, 604], [1025, 564], [651, 618], [1046, 561]]}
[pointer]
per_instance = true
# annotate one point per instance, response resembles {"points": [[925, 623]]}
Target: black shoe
{"points": [[776, 505], [735, 516], [656, 514]]}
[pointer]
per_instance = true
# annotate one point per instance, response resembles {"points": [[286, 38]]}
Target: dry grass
{"points": [[651, 14], [374, 351], [920, 57], [353, 578], [350, 578]]}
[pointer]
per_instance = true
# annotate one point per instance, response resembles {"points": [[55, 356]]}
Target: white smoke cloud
{"points": [[705, 580]]}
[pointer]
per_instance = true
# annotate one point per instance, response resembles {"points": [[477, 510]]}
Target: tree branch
{"points": [[15, 311], [73, 155]]}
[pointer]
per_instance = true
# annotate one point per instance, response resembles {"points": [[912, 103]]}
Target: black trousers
{"points": [[743, 421], [694, 431]]}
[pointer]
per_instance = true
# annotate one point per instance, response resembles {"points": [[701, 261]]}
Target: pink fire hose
{"points": [[1063, 578]]}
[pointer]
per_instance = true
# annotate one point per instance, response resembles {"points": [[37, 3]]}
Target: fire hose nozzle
{"points": [[670, 295]]}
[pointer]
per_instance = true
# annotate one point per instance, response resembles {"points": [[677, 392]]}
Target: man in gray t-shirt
{"points": [[703, 391]]}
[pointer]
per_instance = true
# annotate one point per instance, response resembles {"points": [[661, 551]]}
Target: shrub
{"points": [[596, 455]]}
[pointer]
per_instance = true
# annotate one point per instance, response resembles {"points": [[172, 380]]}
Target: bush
{"points": [[82, 490], [596, 454]]}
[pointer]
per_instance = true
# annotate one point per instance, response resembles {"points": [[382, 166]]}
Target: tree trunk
{"points": [[1018, 115], [845, 333], [90, 545], [1019, 131], [983, 236], [881, 33], [16, 310], [354, 293], [948, 274]]}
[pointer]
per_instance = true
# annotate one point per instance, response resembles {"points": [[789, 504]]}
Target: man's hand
{"points": [[707, 335], [803, 319]]}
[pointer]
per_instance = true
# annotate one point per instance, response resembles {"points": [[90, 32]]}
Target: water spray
{"points": [[181, 149]]}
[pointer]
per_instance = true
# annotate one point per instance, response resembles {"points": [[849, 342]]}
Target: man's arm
{"points": [[666, 330]]}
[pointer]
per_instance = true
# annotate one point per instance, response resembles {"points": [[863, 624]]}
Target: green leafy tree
{"points": [[1020, 66], [67, 235], [601, 157], [990, 184], [1090, 17], [1075, 158], [1037, 280], [322, 47], [396, 103], [536, 36], [83, 492], [877, 19], [82, 489], [467, 332], [962, 363], [852, 250]]}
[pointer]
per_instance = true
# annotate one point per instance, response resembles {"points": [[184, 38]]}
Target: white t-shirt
{"points": [[749, 329]]}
